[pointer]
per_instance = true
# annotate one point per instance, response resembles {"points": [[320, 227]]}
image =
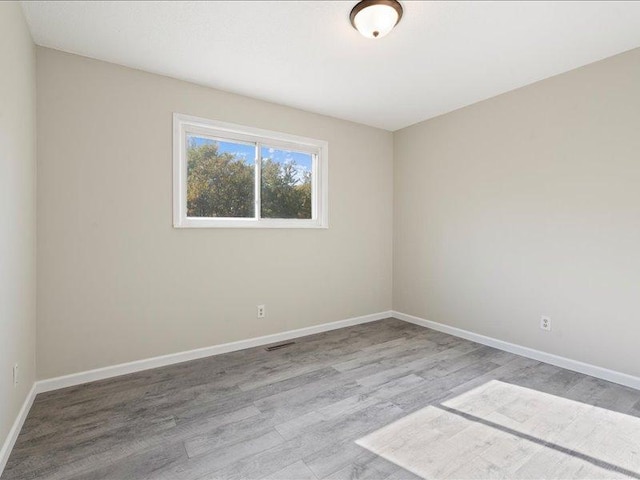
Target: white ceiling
{"points": [[440, 57]]}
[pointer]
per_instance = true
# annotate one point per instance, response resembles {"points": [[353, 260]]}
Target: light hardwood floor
{"points": [[383, 400]]}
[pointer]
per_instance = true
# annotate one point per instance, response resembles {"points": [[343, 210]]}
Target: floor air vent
{"points": [[278, 347]]}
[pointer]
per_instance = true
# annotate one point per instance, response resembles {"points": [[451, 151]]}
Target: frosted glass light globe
{"points": [[375, 19]]}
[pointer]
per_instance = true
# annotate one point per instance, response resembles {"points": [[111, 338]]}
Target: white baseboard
{"points": [[568, 363], [164, 360], [10, 441]]}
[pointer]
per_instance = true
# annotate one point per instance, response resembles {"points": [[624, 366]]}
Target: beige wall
{"points": [[528, 204], [117, 283], [524, 205], [17, 212]]}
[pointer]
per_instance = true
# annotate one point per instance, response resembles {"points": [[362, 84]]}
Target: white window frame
{"points": [[187, 124]]}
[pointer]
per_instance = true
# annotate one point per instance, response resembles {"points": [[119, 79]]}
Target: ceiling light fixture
{"points": [[375, 18]]}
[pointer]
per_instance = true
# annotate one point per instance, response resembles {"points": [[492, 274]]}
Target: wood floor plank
{"points": [[297, 471], [305, 412], [148, 465]]}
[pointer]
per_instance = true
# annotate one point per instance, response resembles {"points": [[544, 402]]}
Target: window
{"points": [[226, 175]]}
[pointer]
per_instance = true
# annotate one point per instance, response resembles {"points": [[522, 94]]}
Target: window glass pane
{"points": [[220, 178], [286, 183]]}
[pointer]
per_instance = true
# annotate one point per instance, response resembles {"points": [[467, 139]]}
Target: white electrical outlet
{"points": [[545, 323], [262, 312], [15, 375]]}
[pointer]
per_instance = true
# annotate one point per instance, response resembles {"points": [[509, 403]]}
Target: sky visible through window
{"points": [[303, 161]]}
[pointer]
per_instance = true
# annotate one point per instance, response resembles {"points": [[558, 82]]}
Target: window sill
{"points": [[247, 223]]}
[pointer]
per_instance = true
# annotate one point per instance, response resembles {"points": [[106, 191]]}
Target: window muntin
{"points": [[227, 175]]}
